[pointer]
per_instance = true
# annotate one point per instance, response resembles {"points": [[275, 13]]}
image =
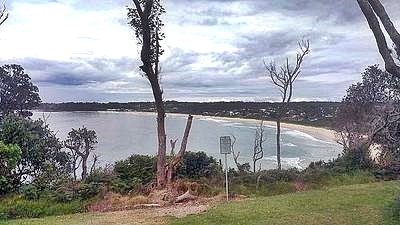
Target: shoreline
{"points": [[320, 133], [317, 132]]}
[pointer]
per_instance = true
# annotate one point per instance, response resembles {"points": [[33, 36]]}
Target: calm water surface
{"points": [[121, 134]]}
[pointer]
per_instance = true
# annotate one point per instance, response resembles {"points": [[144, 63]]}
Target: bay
{"points": [[121, 134]]}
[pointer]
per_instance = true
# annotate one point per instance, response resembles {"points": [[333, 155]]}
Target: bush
{"points": [[126, 186], [102, 175], [195, 165], [89, 190], [64, 196], [30, 192], [139, 167]]}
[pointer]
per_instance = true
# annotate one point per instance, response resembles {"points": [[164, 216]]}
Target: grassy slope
{"points": [[356, 204], [134, 217]]}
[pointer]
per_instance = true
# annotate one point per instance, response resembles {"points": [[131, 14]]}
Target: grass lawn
{"points": [[133, 217], [355, 204]]}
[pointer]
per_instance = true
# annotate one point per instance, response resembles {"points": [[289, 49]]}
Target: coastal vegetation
{"points": [[39, 173]]}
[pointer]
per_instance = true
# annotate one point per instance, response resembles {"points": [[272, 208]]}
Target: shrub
{"points": [[30, 192], [195, 165], [138, 167], [64, 196], [89, 190], [103, 175], [126, 186]]}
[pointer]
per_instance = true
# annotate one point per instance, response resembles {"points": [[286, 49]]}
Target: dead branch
{"points": [[185, 197], [235, 154]]}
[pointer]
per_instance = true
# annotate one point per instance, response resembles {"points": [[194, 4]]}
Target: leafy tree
{"points": [[42, 157], [81, 142], [9, 157], [370, 113], [283, 77], [17, 93]]}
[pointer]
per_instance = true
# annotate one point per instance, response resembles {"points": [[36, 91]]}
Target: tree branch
{"points": [[374, 25]]}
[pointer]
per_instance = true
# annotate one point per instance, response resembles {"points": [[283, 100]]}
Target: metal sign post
{"points": [[225, 148]]}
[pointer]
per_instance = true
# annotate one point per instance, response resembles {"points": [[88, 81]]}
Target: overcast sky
{"points": [[83, 50]]}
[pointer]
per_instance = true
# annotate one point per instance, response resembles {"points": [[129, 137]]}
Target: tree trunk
{"points": [[84, 168], [380, 38], [278, 143], [178, 157], [385, 19], [161, 134]]}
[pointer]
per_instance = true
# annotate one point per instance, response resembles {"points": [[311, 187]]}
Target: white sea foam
{"points": [[299, 134], [215, 120], [289, 145], [290, 162]]}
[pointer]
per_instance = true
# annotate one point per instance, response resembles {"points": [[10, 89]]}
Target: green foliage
{"points": [[195, 165], [64, 195], [9, 156], [81, 142], [30, 192], [89, 190], [141, 167], [41, 157], [126, 186], [18, 93], [103, 175], [133, 172], [14, 207]]}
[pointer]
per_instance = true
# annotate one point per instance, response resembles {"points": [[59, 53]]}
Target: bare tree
{"points": [[283, 77], [235, 154], [81, 142], [258, 150], [3, 14], [372, 10], [145, 19]]}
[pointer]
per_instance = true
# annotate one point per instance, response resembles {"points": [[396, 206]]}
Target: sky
{"points": [[84, 50]]}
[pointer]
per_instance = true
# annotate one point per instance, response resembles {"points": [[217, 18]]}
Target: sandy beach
{"points": [[317, 132]]}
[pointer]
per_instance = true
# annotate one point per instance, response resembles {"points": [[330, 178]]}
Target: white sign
{"points": [[225, 145]]}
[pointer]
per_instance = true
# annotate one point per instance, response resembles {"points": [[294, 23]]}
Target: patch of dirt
{"points": [[159, 203], [181, 210]]}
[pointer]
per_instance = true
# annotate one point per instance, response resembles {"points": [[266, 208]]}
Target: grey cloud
{"points": [[77, 72]]}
